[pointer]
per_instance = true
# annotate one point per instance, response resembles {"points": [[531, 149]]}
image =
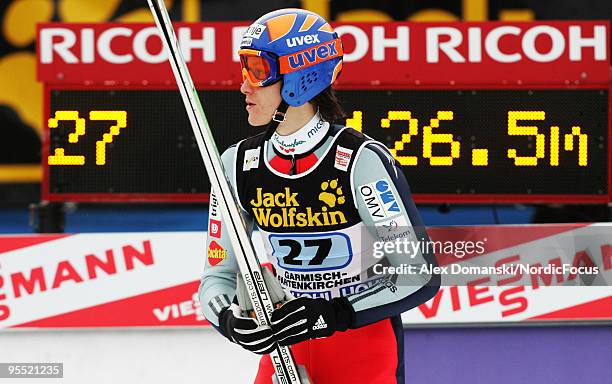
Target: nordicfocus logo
{"points": [[320, 324], [283, 209]]}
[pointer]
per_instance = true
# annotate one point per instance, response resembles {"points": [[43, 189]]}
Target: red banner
{"points": [[147, 279], [378, 54]]}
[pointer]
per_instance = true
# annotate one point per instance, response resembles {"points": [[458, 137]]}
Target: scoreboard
{"points": [[456, 141]]}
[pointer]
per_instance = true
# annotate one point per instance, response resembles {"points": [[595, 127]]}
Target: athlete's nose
{"points": [[246, 87]]}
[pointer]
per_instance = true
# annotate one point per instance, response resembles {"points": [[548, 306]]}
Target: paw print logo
{"points": [[20, 91], [331, 194]]}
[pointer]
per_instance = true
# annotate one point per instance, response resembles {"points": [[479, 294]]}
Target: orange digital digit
{"points": [[59, 157], [413, 129], [429, 138], [120, 117], [515, 130]]}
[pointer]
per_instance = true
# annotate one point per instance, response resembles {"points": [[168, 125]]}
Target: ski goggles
{"points": [[260, 68]]}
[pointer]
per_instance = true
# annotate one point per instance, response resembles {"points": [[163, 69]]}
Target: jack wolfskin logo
{"points": [[331, 193], [284, 209]]}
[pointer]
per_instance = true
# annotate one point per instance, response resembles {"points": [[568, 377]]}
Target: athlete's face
{"points": [[261, 102]]}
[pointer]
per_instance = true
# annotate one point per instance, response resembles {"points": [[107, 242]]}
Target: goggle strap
{"points": [[278, 116], [281, 111]]}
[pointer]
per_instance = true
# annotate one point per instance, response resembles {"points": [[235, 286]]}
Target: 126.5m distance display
{"points": [[494, 144]]}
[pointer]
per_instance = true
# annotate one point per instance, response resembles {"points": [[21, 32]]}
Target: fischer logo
{"points": [[301, 40], [89, 46], [320, 324]]}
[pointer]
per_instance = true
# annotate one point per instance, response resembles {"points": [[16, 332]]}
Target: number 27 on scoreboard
{"points": [[59, 157]]}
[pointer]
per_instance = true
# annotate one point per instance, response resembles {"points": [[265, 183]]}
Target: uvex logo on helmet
{"points": [[310, 56], [301, 40]]}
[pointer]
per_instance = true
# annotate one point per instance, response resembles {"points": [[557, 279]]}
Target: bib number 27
{"points": [[323, 246], [312, 252]]}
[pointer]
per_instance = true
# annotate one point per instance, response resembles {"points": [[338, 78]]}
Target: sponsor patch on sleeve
{"points": [[214, 228], [216, 253], [213, 207], [391, 229], [379, 199], [343, 158]]}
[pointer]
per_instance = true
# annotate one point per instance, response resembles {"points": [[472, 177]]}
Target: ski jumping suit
{"points": [[320, 197]]}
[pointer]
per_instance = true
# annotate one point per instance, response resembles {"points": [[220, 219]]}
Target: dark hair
{"points": [[329, 106]]}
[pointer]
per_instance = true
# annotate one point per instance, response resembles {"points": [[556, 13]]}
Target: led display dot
{"points": [[480, 157]]}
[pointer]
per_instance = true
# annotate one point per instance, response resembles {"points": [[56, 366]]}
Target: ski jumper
{"points": [[321, 198]]}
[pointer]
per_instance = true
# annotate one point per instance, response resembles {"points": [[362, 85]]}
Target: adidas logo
{"points": [[320, 324]]}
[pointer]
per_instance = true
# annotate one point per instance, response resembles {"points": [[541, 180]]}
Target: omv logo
{"points": [[387, 197]]}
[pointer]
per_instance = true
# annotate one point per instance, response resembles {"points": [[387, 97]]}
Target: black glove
{"points": [[245, 331], [305, 318]]}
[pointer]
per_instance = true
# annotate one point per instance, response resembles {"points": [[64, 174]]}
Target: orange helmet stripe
{"points": [[308, 22], [310, 56], [336, 72], [326, 28], [280, 26]]}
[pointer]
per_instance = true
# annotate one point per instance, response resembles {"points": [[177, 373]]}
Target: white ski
{"points": [[248, 263]]}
